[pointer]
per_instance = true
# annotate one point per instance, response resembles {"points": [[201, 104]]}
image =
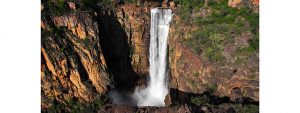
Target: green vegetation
{"points": [[62, 49], [252, 47], [196, 74], [217, 28], [58, 7], [86, 39], [74, 106], [247, 109], [213, 88], [187, 6], [254, 42], [85, 5], [200, 100], [203, 100], [210, 44], [193, 83]]}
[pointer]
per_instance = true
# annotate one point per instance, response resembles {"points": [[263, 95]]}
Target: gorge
{"points": [[205, 60]]}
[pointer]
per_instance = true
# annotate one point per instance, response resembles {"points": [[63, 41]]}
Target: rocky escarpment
{"points": [[136, 23], [209, 50], [85, 52], [73, 64], [91, 47]]}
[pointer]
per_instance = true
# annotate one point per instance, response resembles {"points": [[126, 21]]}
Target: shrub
{"points": [[58, 7], [193, 45], [254, 42], [252, 47], [247, 109], [200, 100], [214, 55], [88, 4], [253, 19], [214, 48], [187, 7]]}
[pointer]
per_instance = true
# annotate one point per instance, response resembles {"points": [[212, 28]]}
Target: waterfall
{"points": [[157, 89]]}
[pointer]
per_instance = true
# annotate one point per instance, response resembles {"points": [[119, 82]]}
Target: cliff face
{"points": [[136, 23], [88, 51], [207, 52], [73, 63], [84, 53]]}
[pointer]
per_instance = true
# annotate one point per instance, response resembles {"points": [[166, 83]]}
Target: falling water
{"points": [[157, 89]]}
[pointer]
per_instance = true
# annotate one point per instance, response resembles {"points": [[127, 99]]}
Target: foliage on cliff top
{"points": [[60, 7], [57, 7], [219, 26]]}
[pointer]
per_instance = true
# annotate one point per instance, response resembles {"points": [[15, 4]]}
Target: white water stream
{"points": [[157, 89]]}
